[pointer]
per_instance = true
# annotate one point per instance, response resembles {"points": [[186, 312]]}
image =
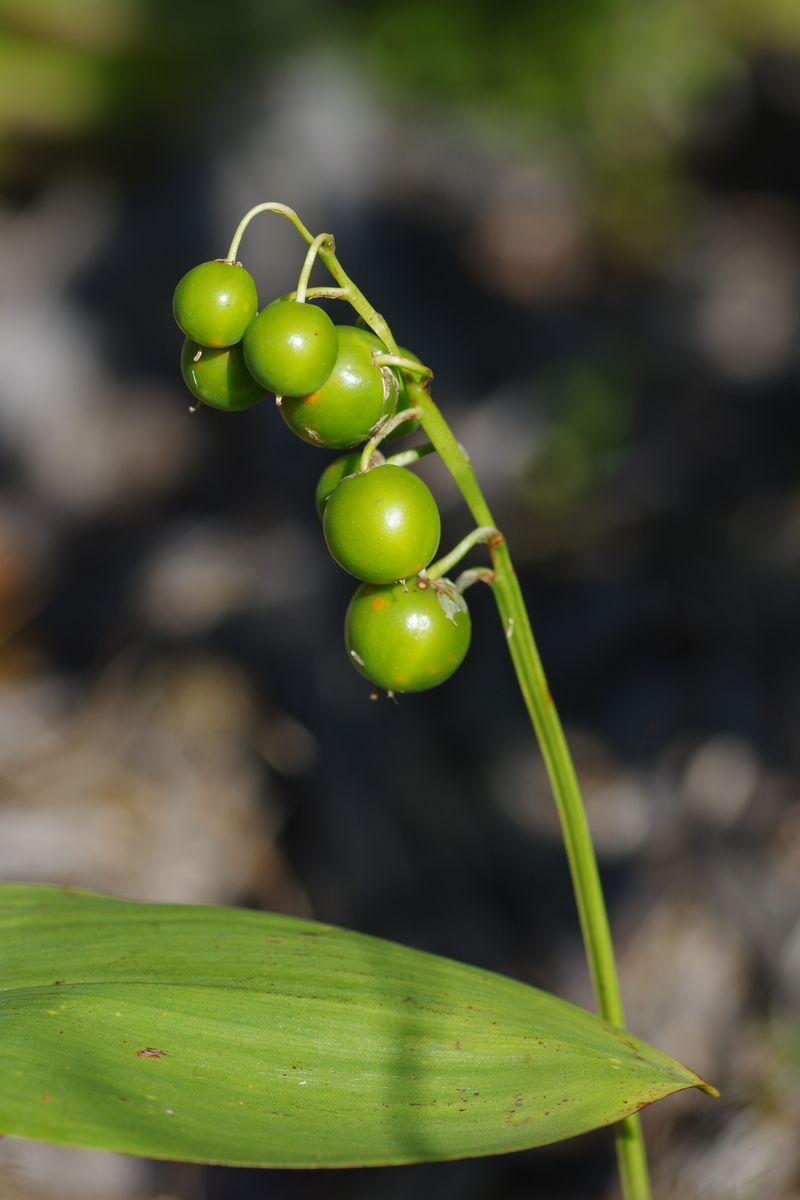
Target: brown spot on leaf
{"points": [[45, 1097], [150, 1052]]}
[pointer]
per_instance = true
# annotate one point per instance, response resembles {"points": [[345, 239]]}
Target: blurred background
{"points": [[587, 219]]}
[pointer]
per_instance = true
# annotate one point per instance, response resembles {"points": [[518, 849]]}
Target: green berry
{"points": [[291, 348], [407, 638], [354, 399], [409, 390], [382, 525], [333, 475], [215, 302], [219, 377]]}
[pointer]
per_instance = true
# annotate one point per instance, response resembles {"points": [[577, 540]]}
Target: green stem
{"points": [[406, 457], [326, 255], [394, 422], [405, 364], [321, 293], [473, 575], [631, 1154], [282, 210], [305, 273], [484, 533]]}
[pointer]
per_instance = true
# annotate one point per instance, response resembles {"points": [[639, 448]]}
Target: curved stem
{"points": [[406, 457], [383, 432], [484, 533], [472, 576], [317, 293], [321, 293], [282, 210], [405, 364], [631, 1154], [305, 273], [326, 255]]}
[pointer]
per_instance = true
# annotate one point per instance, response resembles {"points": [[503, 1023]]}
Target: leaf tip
{"points": [[704, 1086]]}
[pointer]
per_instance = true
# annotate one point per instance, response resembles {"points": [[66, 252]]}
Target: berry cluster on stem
{"points": [[407, 626]]}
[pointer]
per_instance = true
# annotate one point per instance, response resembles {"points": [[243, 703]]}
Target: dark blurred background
{"points": [[586, 217]]}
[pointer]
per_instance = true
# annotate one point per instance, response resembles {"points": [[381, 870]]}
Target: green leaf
{"points": [[224, 1035]]}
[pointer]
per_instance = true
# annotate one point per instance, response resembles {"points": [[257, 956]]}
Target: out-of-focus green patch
{"points": [[620, 82], [590, 424]]}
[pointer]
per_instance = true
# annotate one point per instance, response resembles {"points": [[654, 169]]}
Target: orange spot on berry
{"points": [[378, 603]]}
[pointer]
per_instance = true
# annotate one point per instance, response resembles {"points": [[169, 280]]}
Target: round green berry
{"points": [[353, 400], [333, 475], [219, 377], [382, 525], [291, 348], [407, 638], [409, 390], [215, 302]]}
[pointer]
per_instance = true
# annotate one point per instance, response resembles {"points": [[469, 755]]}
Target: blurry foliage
{"points": [[588, 430], [106, 75], [623, 81]]}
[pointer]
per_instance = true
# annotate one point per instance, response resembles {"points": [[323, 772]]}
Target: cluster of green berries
{"points": [[404, 632]]}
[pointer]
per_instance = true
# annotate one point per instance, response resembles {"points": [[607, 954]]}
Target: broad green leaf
{"points": [[224, 1035]]}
